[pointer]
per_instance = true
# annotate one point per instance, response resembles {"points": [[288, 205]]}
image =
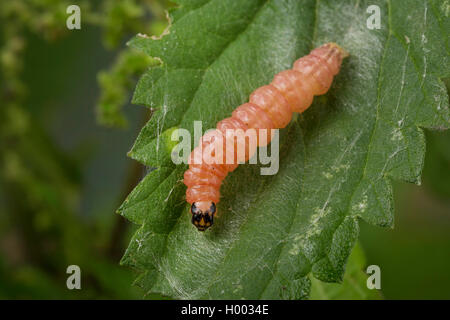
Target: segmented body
{"points": [[269, 107]]}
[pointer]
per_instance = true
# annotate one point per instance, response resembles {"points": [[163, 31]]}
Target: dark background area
{"points": [[63, 175]]}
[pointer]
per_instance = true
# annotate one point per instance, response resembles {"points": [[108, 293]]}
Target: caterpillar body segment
{"points": [[269, 107]]}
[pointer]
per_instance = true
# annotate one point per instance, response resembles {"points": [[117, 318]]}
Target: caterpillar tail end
{"points": [[344, 53]]}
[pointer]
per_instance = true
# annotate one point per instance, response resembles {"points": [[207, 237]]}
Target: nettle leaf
{"points": [[337, 159]]}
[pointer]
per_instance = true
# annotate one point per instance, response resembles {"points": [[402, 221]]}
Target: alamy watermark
{"points": [[74, 280], [374, 280], [374, 20], [234, 146], [74, 20]]}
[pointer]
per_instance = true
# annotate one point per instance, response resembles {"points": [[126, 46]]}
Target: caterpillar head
{"points": [[203, 214]]}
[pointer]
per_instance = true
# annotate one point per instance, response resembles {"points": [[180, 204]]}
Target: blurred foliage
{"points": [[41, 232], [116, 84], [47, 18], [124, 17]]}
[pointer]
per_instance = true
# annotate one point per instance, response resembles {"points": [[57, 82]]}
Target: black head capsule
{"points": [[203, 214]]}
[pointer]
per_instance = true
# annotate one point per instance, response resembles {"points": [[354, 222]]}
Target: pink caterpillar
{"points": [[270, 107]]}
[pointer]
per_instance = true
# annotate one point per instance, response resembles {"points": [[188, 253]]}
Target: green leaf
{"points": [[336, 160]]}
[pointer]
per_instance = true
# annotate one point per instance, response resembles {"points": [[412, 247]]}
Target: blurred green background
{"points": [[65, 128]]}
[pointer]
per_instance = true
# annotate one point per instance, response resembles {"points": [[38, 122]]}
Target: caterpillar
{"points": [[269, 107]]}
